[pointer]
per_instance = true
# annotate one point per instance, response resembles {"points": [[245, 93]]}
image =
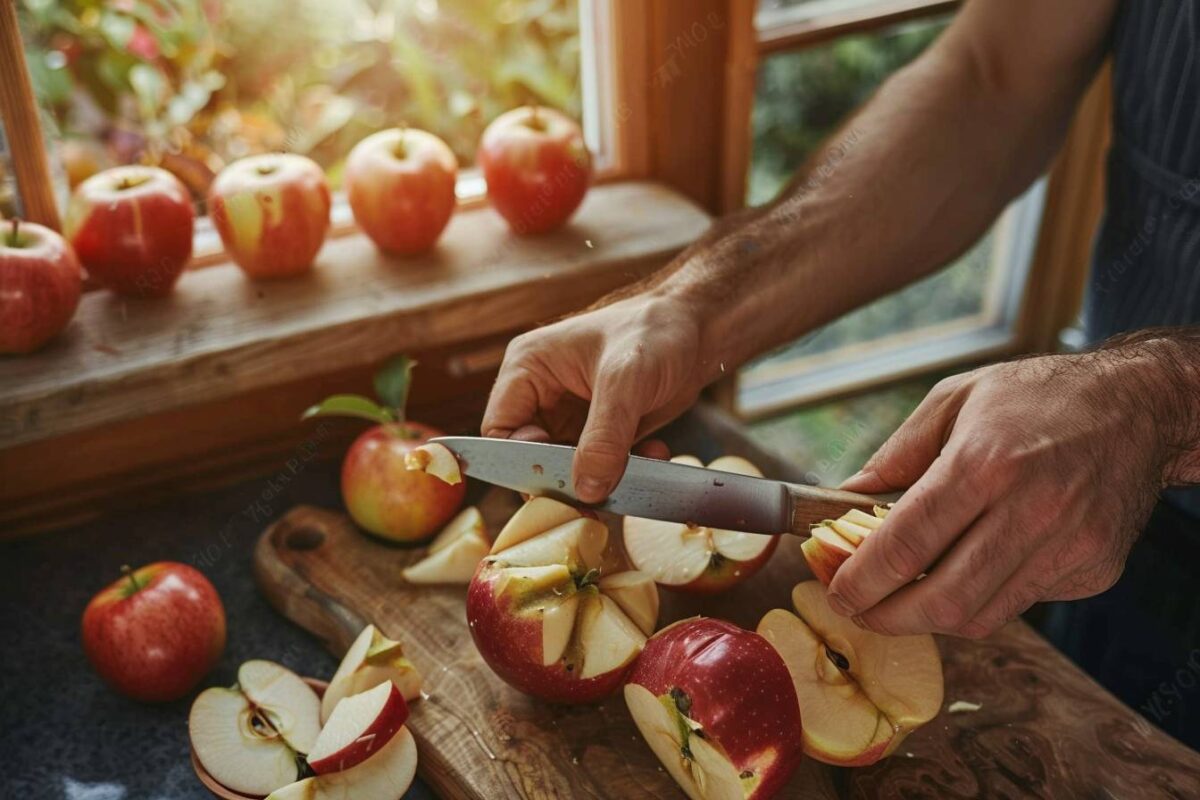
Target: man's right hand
{"points": [[605, 378]]}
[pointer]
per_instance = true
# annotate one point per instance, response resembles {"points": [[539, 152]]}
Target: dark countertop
{"points": [[64, 734]]}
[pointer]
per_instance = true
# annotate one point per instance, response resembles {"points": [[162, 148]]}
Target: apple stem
{"points": [[134, 586], [535, 119]]}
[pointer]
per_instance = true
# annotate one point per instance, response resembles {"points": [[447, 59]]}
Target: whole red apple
{"points": [[717, 705], [536, 166], [155, 632], [400, 184], [272, 212], [132, 228], [40, 282]]}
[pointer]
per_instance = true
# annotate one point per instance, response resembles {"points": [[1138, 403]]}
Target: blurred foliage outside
{"points": [[194, 84]]}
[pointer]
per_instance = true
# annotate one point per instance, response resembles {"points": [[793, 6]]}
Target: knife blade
{"points": [[658, 489]]}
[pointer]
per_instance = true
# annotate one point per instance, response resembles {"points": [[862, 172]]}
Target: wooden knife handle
{"points": [[812, 504]]}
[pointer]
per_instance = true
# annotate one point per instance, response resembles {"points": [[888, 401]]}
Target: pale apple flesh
{"points": [[358, 727], [636, 595], [537, 515], [371, 660], [860, 693], [436, 460], [238, 745], [288, 703], [454, 553], [694, 558], [386, 775], [831, 543]]}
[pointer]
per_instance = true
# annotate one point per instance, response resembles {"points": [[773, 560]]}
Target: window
{"points": [[804, 92]]}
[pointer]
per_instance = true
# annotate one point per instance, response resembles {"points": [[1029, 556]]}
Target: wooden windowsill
{"points": [[220, 335]]}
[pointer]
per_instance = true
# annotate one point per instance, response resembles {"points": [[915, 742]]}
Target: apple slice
{"points": [[371, 660], [537, 515], [436, 460], [637, 596], [830, 544], [287, 702], [607, 639], [693, 558], [358, 727], [860, 693], [578, 544], [454, 553], [238, 744], [386, 775]]}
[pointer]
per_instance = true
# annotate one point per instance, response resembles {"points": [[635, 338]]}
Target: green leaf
{"points": [[350, 405], [392, 384]]}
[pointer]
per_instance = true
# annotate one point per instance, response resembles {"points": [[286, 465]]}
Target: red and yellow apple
{"points": [[132, 229], [543, 616], [272, 212], [154, 633], [537, 168], [832, 542], [860, 693], [400, 184], [40, 283], [371, 660], [693, 558], [716, 704]]}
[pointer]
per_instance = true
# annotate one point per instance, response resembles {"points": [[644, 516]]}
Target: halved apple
{"points": [[834, 541], [288, 703], [692, 558], [860, 693], [540, 611], [435, 459], [717, 706], [454, 553], [358, 727], [371, 660], [237, 743], [386, 775]]}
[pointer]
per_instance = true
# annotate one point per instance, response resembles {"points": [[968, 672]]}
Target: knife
{"points": [[658, 489]]}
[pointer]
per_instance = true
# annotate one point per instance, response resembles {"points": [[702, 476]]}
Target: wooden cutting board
{"points": [[1044, 729]]}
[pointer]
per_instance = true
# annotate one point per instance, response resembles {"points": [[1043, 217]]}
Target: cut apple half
{"points": [[436, 460], [371, 660], [360, 726], [695, 558], [860, 693], [385, 775], [238, 745], [832, 542], [287, 702], [455, 553]]}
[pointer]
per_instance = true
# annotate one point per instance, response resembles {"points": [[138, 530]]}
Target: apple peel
{"points": [[832, 542]]}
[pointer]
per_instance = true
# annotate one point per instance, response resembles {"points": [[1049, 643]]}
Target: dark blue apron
{"points": [[1141, 639]]}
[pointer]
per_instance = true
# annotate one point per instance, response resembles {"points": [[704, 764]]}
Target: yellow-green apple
{"points": [[860, 693], [693, 558], [394, 484], [358, 727], [833, 541], [237, 745], [40, 283], [155, 632], [541, 615], [132, 229], [272, 212], [386, 775], [372, 659], [455, 552], [716, 704], [400, 184], [537, 168]]}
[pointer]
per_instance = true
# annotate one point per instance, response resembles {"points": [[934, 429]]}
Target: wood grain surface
{"points": [[1044, 728]]}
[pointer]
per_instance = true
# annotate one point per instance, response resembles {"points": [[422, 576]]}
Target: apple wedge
{"points": [[385, 775], [358, 727], [454, 553], [436, 460], [238, 744], [860, 693], [697, 559], [288, 703], [543, 615], [832, 542], [371, 660], [717, 706]]}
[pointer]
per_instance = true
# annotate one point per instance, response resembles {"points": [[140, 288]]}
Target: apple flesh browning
{"points": [[716, 704], [371, 660], [359, 726], [454, 553], [436, 460], [698, 559], [386, 775], [238, 745], [860, 693], [830, 544]]}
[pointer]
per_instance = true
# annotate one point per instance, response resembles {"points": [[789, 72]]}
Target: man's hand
{"points": [[638, 362], [1029, 481]]}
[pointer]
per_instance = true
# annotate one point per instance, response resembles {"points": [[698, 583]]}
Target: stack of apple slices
{"points": [[834, 541], [543, 615], [860, 693], [693, 558], [371, 660], [455, 553]]}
